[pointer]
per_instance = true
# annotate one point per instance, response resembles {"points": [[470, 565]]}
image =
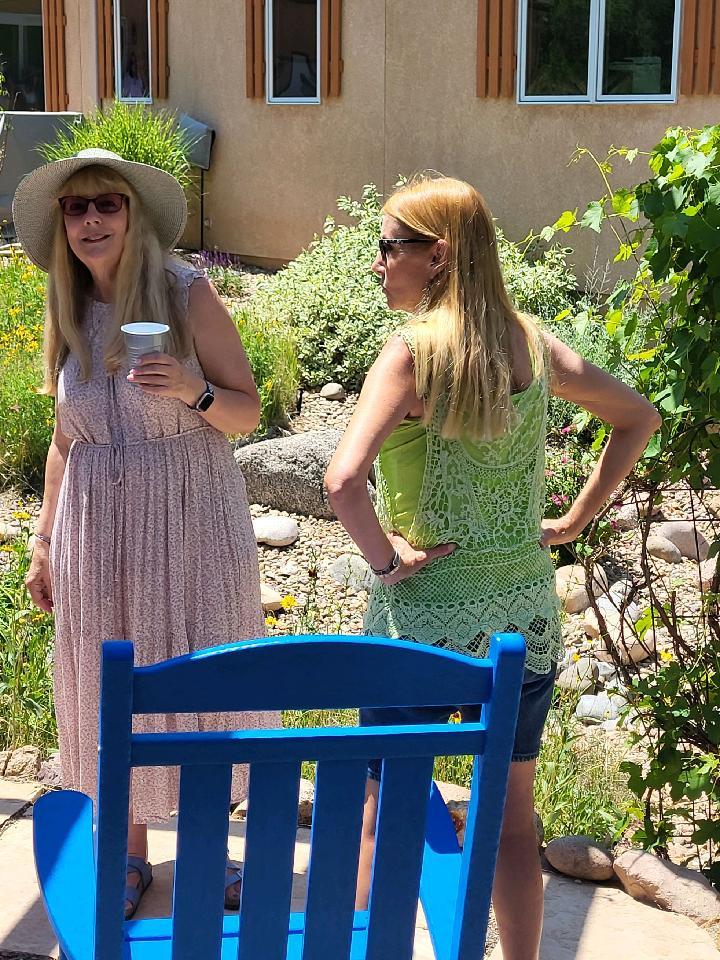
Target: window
{"points": [[21, 56], [293, 51], [132, 51], [589, 51]]}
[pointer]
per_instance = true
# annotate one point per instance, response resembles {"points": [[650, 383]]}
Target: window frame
{"points": [[117, 58], [596, 51], [269, 95]]}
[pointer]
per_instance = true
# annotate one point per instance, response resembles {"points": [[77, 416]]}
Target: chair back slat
{"points": [[317, 672], [113, 797], [399, 841], [200, 862], [440, 871], [487, 800], [269, 856], [335, 848]]}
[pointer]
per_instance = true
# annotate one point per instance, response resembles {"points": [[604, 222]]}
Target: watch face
{"points": [[205, 401]]}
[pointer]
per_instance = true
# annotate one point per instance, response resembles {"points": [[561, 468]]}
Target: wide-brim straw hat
{"points": [[37, 195]]}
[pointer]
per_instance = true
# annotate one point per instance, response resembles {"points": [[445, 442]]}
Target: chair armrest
{"points": [[65, 864], [440, 877]]}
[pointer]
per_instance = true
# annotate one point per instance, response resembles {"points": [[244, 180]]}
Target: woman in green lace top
{"points": [[453, 413]]}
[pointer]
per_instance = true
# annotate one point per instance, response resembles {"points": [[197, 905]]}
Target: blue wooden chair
{"points": [[81, 866]]}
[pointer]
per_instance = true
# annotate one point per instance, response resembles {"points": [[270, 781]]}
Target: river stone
{"points": [[626, 517], [580, 857], [579, 676], [667, 885], [686, 537], [594, 708], [333, 391], [570, 585], [4, 757], [663, 549], [712, 503], [351, 571], [457, 801], [288, 473], [269, 597], [620, 590], [23, 763], [9, 531], [50, 773], [276, 531]]}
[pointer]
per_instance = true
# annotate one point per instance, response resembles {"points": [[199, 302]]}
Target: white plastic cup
{"points": [[144, 338]]}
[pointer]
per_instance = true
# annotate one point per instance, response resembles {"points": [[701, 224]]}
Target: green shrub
{"points": [[26, 417], [271, 349], [26, 639], [134, 132], [330, 296]]}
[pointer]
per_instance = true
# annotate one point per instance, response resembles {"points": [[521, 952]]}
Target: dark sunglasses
{"points": [[104, 203], [386, 244]]}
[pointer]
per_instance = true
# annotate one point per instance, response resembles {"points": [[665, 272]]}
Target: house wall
{"points": [[408, 103]]}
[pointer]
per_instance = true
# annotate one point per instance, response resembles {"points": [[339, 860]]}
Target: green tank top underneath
{"points": [[487, 497]]}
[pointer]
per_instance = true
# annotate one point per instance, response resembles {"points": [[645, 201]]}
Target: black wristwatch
{"points": [[205, 400]]}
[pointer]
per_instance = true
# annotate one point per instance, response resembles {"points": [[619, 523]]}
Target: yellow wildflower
{"points": [[288, 602], [666, 656], [21, 515], [271, 621], [576, 657], [6, 548]]}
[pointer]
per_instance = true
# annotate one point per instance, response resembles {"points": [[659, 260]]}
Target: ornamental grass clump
{"points": [[133, 131]]}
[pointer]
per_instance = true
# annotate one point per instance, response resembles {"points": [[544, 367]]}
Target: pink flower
{"points": [[566, 430], [564, 458], [556, 500], [549, 473]]}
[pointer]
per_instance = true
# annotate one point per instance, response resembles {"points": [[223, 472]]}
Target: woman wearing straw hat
{"points": [[144, 531]]}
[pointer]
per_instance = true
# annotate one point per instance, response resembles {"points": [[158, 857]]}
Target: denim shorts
{"points": [[535, 698]]}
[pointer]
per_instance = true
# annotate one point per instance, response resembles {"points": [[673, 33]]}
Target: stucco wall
{"points": [[276, 170], [408, 103]]}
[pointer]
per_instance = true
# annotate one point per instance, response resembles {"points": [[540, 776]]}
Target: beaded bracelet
{"points": [[43, 537]]}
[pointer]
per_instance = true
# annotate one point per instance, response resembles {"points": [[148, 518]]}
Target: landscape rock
{"points": [[289, 569], [580, 675], [668, 886], [712, 503], [580, 857], [305, 803], [288, 473], [686, 537], [663, 549], [276, 531], [596, 707], [9, 531], [626, 517], [570, 585], [707, 572], [620, 591], [23, 763], [333, 391], [269, 597], [4, 757], [351, 571], [50, 773]]}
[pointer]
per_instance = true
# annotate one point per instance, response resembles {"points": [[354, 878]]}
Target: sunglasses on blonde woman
{"points": [[386, 243], [104, 203]]}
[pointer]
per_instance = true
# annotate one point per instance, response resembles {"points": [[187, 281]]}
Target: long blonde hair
{"points": [[145, 288], [463, 351]]}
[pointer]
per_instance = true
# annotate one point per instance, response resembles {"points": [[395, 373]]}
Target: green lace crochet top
{"points": [[487, 497]]}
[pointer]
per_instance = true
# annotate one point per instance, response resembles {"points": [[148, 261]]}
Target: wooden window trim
{"points": [[700, 48], [496, 48], [331, 62], [54, 22], [160, 69]]}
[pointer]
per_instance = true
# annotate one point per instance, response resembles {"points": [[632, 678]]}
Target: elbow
{"points": [[341, 487], [654, 420]]}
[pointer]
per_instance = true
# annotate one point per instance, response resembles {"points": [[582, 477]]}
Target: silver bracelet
{"points": [[43, 537]]}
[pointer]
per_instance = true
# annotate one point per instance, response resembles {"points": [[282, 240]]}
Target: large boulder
{"points": [[571, 586], [686, 537], [667, 885], [23, 764], [287, 473], [580, 857]]}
